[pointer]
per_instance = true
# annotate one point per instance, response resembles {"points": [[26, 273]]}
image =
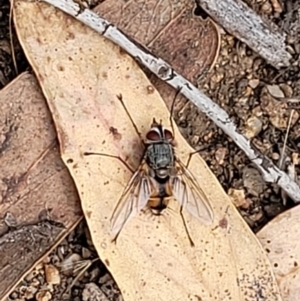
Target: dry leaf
{"points": [[35, 185], [280, 238], [82, 76], [186, 41]]}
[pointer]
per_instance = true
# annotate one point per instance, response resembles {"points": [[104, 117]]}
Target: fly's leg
{"points": [[111, 156], [172, 122], [185, 225], [172, 127], [172, 110], [191, 155], [114, 240]]}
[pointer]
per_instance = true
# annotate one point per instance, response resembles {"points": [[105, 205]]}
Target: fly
{"points": [[160, 176]]}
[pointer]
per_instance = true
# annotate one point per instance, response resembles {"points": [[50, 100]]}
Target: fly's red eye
{"points": [[168, 135], [153, 136]]}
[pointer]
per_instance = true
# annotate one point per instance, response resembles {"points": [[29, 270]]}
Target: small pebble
{"points": [[287, 90], [266, 8], [43, 296], [253, 83], [52, 274], [275, 91], [220, 154], [10, 220], [14, 295], [31, 275], [30, 292], [257, 216], [92, 292], [275, 156], [35, 282], [253, 127], [237, 197], [86, 253], [272, 210]]}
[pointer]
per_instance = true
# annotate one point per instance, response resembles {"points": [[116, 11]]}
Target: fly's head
{"points": [[158, 134]]}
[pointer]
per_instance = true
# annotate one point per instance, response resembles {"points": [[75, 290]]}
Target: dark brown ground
{"points": [[238, 83]]}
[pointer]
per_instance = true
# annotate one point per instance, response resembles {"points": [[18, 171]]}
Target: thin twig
{"points": [[11, 41], [164, 71], [291, 167], [285, 139]]}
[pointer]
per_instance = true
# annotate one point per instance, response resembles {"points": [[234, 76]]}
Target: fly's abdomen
{"points": [[159, 200]]}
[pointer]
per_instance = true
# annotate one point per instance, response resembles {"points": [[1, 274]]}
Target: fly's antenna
{"points": [[120, 97], [154, 123]]}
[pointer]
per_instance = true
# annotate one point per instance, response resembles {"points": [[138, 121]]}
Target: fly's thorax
{"points": [[160, 158]]}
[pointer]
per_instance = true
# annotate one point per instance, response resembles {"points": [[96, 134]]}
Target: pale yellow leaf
{"points": [[82, 74], [280, 238]]}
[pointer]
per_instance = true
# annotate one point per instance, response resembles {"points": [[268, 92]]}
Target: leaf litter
{"points": [[39, 203], [151, 250]]}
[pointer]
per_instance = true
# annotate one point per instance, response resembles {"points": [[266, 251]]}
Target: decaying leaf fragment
{"points": [[83, 76], [280, 239], [39, 204]]}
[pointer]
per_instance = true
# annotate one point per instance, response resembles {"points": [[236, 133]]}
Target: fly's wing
{"points": [[134, 198], [189, 194]]}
